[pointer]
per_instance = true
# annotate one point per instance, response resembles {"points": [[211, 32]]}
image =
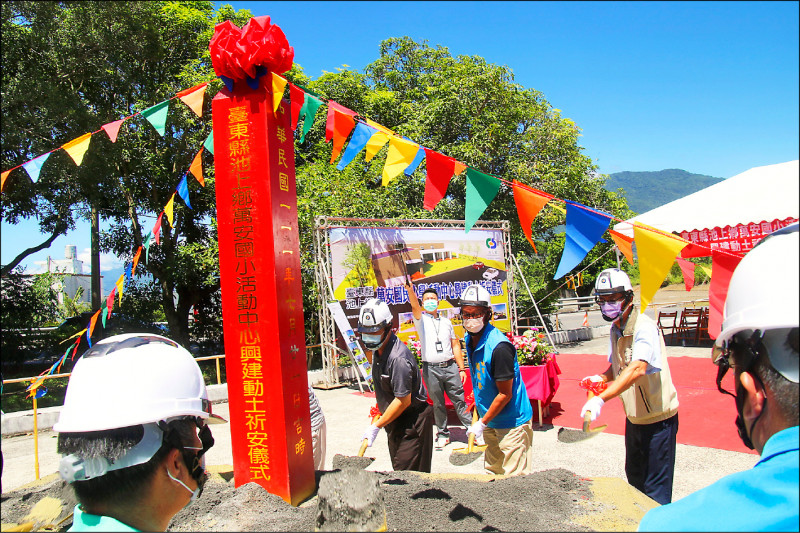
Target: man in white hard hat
{"points": [[132, 433], [443, 369], [639, 374], [406, 415], [759, 340], [504, 409]]}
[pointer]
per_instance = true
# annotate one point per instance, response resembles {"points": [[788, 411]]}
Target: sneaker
{"points": [[441, 442], [479, 441]]}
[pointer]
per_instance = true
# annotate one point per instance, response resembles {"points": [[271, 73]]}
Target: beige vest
{"points": [[652, 397]]}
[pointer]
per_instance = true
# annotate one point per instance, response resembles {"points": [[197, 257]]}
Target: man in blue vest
{"points": [[500, 396], [759, 341]]}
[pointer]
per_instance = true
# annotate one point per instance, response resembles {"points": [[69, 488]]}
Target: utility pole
{"points": [[96, 290]]}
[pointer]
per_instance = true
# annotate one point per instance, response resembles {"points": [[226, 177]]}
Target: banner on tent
{"points": [[369, 262], [738, 238]]}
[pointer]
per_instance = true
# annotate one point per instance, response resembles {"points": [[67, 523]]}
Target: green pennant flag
{"points": [[157, 116], [308, 112], [209, 144], [146, 246], [481, 190], [103, 315]]}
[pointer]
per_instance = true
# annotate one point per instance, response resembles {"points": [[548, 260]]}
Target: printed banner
{"points": [[738, 238], [375, 262], [351, 339], [262, 304]]}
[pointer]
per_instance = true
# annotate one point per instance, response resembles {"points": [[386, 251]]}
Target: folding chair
{"points": [[702, 327], [667, 322], [689, 325]]}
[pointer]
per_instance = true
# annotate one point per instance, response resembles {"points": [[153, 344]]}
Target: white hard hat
{"points": [[374, 315], [132, 379], [763, 291], [612, 281], [475, 295]]}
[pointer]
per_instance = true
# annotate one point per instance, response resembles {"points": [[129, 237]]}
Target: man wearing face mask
{"points": [[442, 362], [132, 433], [639, 374], [500, 396], [406, 415], [760, 341]]}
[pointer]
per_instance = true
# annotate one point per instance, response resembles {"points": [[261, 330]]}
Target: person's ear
{"points": [[174, 462], [754, 401]]}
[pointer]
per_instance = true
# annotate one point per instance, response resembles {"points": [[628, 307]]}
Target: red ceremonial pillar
{"points": [[262, 304]]}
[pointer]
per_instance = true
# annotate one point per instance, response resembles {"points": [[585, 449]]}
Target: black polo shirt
{"points": [[396, 374]]}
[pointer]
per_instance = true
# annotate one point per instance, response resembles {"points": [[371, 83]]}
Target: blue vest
{"points": [[518, 410]]}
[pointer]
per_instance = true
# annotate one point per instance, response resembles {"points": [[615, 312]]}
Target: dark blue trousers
{"points": [[650, 457]]}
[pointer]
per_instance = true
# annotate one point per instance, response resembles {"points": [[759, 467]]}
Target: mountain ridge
{"points": [[646, 190]]}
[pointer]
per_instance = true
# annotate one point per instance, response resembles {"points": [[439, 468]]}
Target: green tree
{"points": [[358, 261], [69, 68]]}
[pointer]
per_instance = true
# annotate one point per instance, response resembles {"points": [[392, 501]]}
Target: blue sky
{"points": [[708, 87]]}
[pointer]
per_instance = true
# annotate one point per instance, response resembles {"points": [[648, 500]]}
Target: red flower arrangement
{"points": [[249, 52]]}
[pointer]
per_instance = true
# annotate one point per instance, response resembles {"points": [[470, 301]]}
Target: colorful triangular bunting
{"points": [[481, 190], [34, 166], [624, 243], [584, 229], [439, 171], [157, 116], [528, 203], [193, 97], [76, 148], [401, 154], [656, 253], [357, 143], [112, 129]]}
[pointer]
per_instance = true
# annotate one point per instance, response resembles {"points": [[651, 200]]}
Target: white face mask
{"points": [[195, 493], [473, 325]]}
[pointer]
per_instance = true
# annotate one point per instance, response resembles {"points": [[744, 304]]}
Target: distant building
{"points": [[73, 278]]}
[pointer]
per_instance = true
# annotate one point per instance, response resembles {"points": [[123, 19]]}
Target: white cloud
{"points": [[107, 261]]}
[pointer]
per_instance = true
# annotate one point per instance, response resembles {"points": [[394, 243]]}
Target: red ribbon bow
{"points": [[235, 53]]}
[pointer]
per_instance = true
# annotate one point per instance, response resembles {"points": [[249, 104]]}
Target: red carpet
{"points": [[706, 416]]}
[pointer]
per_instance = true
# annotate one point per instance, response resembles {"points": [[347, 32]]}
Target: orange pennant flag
{"points": [[168, 210], [197, 167], [136, 260], [460, 167], [529, 203], [656, 253], [341, 122], [92, 322], [76, 148], [193, 97], [3, 178], [624, 243], [278, 86], [120, 284]]}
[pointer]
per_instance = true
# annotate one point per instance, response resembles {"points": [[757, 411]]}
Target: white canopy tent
{"points": [[759, 194]]}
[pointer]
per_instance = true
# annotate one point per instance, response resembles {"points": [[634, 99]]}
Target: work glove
{"points": [[477, 429], [370, 434], [594, 405]]}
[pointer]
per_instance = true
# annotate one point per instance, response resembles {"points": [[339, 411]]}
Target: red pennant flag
{"points": [[723, 265], [440, 170], [624, 243], [193, 97], [75, 350], [529, 204], [298, 98], [687, 268], [341, 122], [112, 129], [157, 227], [197, 167], [110, 301], [136, 260]]}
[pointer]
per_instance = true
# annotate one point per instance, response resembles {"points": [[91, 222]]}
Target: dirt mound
{"points": [[542, 501]]}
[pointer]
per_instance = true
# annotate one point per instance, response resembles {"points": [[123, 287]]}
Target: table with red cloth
{"points": [[541, 383]]}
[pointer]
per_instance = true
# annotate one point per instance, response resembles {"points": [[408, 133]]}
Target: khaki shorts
{"points": [[509, 451]]}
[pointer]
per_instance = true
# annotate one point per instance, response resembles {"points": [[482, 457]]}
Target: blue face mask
{"points": [[430, 305], [372, 342]]}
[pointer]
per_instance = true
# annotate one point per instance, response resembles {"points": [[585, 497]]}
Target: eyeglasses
{"points": [[735, 349], [471, 315], [599, 299]]}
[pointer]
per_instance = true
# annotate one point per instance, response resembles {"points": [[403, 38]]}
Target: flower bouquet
{"points": [[416, 348], [531, 347]]}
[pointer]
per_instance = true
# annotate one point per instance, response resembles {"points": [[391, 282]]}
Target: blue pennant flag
{"points": [[358, 141], [584, 229], [417, 160], [34, 166], [183, 191], [128, 272]]}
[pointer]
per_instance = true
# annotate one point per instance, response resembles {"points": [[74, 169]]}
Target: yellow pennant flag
{"points": [[168, 210], [379, 127], [656, 254], [558, 208], [197, 167], [81, 332], [278, 85], [401, 154], [706, 270], [375, 143], [76, 148], [120, 284]]}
